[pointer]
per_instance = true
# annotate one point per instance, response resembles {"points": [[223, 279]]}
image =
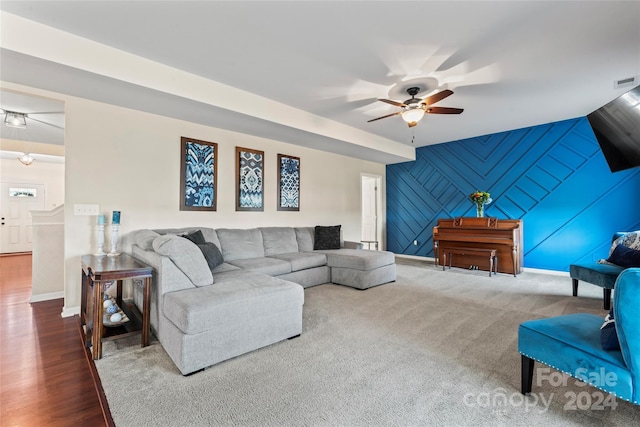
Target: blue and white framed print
{"points": [[288, 183], [198, 175], [250, 176]]}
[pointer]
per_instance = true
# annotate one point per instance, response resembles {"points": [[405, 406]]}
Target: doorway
{"points": [[371, 211], [16, 203]]}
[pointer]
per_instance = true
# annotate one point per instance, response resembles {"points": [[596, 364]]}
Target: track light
{"points": [[15, 120]]}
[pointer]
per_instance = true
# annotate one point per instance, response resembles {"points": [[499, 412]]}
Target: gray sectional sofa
{"points": [[254, 298]]}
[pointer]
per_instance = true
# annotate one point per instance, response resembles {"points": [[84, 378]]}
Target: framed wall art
{"points": [[250, 179], [198, 175], [288, 183]]}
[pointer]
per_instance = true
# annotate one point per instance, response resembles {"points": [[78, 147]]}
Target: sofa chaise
{"points": [[253, 297]]}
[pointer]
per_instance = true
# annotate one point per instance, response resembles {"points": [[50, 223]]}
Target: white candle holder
{"points": [[100, 251], [114, 240]]}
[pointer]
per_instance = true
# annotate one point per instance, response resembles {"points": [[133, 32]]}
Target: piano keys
{"points": [[503, 235]]}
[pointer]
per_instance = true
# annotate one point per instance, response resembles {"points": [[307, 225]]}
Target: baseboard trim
{"points": [[47, 297], [527, 269], [70, 311], [418, 258], [543, 271]]}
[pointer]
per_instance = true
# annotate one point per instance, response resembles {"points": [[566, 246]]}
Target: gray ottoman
{"points": [[360, 268]]}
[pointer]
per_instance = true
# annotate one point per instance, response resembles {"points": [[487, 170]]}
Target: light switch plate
{"points": [[86, 209]]}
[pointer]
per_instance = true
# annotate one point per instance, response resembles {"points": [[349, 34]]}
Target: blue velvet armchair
{"points": [[603, 275], [571, 344]]}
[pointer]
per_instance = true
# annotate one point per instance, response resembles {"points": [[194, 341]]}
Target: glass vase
{"points": [[480, 210]]}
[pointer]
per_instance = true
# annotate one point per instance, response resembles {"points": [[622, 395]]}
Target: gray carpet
{"points": [[433, 348]]}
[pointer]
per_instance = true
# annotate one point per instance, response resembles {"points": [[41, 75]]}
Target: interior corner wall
{"points": [[553, 177]]}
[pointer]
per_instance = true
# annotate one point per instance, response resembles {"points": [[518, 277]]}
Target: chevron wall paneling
{"points": [[553, 177]]}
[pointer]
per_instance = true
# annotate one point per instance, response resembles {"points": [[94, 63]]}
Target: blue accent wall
{"points": [[553, 177]]}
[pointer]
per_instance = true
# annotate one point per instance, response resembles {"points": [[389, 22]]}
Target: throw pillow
{"points": [[144, 239], [326, 237], [625, 257], [212, 254], [608, 335], [630, 240], [196, 237], [186, 256]]}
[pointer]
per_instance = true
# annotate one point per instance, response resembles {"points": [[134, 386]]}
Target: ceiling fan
{"points": [[17, 119], [415, 108]]}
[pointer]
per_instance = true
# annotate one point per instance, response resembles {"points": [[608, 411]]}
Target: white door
{"points": [[369, 210], [16, 202]]}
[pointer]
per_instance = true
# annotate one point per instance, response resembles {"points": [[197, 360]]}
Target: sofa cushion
{"points": [[201, 309], [208, 233], [144, 239], [279, 240], [304, 237], [571, 344], [358, 259], [603, 275], [269, 266], [240, 244], [303, 260], [223, 268], [326, 237], [625, 257], [186, 256]]}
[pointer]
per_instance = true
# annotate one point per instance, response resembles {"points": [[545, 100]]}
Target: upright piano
{"points": [[503, 235]]}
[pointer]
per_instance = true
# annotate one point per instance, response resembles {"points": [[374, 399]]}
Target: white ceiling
{"points": [[510, 64]]}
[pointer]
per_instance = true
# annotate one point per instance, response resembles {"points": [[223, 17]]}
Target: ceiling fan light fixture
{"points": [[15, 120], [26, 159], [413, 116]]}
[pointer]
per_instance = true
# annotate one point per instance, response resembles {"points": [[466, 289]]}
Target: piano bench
{"points": [[491, 253]]}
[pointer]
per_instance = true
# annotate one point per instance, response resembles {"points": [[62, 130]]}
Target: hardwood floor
{"points": [[46, 378]]}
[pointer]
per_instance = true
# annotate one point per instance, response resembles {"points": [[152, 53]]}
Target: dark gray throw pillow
{"points": [[196, 237], [212, 254], [210, 251], [326, 237]]}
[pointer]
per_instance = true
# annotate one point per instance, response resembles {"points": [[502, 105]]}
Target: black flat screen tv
{"points": [[616, 126]]}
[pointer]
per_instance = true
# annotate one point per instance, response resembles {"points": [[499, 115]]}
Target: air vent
{"points": [[628, 82]]}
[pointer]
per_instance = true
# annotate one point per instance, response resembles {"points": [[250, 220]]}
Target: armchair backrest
{"points": [[626, 301]]}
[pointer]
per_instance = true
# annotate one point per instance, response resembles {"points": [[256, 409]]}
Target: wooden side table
{"points": [[99, 273]]}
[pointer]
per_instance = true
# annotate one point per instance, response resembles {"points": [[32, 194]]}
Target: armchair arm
{"points": [[626, 300]]}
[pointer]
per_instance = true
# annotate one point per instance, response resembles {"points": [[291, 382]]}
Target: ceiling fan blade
{"points": [[46, 112], [444, 110], [384, 117], [396, 103], [437, 97], [49, 124]]}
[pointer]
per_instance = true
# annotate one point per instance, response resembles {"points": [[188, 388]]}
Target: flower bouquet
{"points": [[480, 198]]}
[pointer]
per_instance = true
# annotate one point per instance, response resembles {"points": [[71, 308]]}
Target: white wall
{"points": [[49, 174], [129, 161]]}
